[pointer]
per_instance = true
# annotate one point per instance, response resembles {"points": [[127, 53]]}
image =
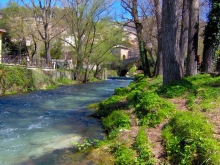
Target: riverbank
{"points": [[15, 79], [147, 123]]}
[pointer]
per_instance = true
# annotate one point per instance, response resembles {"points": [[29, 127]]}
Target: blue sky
{"points": [[3, 3]]}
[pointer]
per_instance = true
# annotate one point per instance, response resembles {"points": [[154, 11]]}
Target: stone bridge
{"points": [[127, 65]]}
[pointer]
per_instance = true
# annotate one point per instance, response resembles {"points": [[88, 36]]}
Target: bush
{"points": [[115, 121], [133, 97], [15, 79], [122, 91], [152, 109], [189, 140], [107, 106], [124, 155]]}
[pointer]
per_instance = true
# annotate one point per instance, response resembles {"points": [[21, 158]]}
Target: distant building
{"points": [[133, 50]]}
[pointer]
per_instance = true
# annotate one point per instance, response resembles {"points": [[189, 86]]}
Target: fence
{"points": [[26, 61]]}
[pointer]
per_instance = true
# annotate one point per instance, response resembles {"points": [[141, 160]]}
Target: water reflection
{"points": [[43, 123]]}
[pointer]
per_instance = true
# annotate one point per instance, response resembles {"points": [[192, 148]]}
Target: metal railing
{"points": [[26, 61]]}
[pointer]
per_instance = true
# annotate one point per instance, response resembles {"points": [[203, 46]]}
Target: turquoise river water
{"points": [[37, 128]]}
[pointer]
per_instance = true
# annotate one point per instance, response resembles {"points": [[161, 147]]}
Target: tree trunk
{"points": [[47, 49], [207, 62], [170, 45], [158, 12], [184, 32], [191, 62], [211, 39], [142, 49]]}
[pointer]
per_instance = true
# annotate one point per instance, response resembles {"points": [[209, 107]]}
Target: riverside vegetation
{"points": [[15, 79], [189, 133]]}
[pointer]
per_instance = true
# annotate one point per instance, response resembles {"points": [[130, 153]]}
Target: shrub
{"points": [[107, 106], [133, 97], [152, 109], [122, 91], [138, 77], [124, 155], [189, 140], [141, 85], [116, 120]]}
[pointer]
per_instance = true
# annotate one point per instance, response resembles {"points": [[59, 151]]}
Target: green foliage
{"points": [[56, 50], [124, 155], [175, 89], [142, 146], [115, 121], [141, 84], [133, 97], [212, 30], [206, 95], [189, 140], [122, 91], [64, 81], [152, 109], [87, 143], [138, 77], [107, 106], [15, 79]]}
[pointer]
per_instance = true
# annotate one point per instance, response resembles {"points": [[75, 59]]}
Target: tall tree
{"points": [[212, 36], [42, 12], [170, 44], [184, 32], [158, 14], [132, 8], [82, 17], [191, 61]]}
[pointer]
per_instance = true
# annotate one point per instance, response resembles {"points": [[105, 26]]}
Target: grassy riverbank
{"points": [[14, 79], [150, 124]]}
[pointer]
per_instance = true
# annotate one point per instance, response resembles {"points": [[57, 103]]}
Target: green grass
{"points": [[189, 140], [114, 122], [152, 109], [142, 146], [188, 136]]}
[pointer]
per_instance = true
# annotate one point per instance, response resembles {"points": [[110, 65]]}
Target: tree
{"points": [[110, 35], [42, 12], [170, 48], [132, 8], [82, 18], [191, 62], [158, 14], [184, 32], [212, 36]]}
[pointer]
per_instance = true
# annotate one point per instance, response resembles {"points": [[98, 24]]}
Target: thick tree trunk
{"points": [[184, 32], [170, 44], [191, 62], [207, 62], [158, 12]]}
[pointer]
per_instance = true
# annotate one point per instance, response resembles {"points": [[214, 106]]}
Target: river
{"points": [[38, 128]]}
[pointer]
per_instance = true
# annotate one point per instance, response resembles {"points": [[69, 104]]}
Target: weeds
{"points": [[189, 140], [152, 109], [142, 146], [114, 122], [87, 143]]}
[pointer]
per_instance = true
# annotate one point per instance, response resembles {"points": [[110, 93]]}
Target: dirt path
{"points": [[155, 134], [154, 137]]}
